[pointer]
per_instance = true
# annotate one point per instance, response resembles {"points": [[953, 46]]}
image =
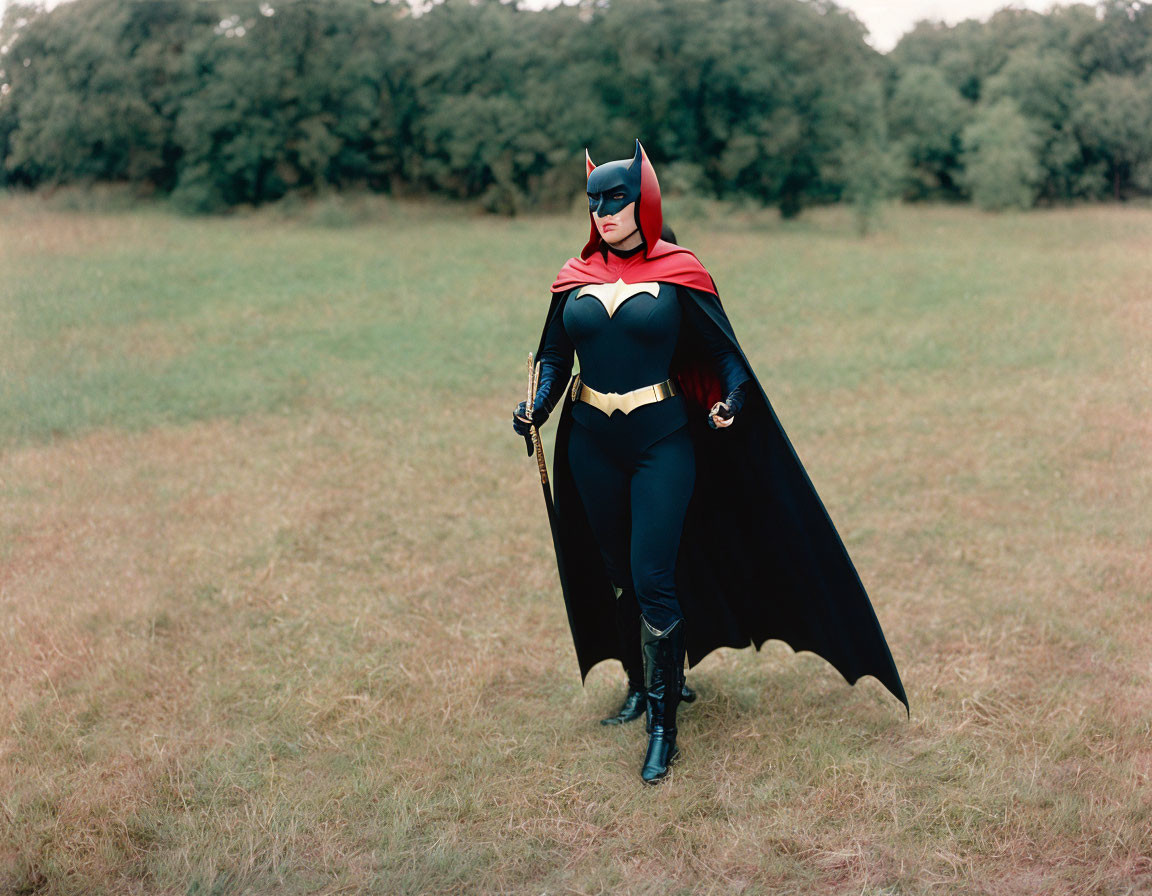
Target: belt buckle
{"points": [[610, 402]]}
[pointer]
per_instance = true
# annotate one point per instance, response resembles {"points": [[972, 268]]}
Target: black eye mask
{"points": [[613, 185], [609, 202]]}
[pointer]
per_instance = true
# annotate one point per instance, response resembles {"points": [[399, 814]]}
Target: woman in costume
{"points": [[683, 519]]}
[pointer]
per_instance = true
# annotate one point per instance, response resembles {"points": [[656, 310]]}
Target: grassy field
{"points": [[279, 613]]}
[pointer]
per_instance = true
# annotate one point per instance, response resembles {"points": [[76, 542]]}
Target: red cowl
{"points": [[649, 216]]}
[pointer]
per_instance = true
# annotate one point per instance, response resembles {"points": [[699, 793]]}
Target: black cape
{"points": [[759, 557]]}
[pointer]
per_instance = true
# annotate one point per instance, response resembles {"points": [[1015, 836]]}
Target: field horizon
{"points": [[279, 610]]}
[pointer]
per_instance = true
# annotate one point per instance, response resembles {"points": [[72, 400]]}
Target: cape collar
{"points": [[665, 263]]}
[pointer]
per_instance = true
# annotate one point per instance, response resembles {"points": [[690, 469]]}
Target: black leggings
{"points": [[636, 504]]}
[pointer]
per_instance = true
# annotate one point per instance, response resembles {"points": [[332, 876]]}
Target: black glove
{"points": [[540, 413], [518, 424], [728, 408], [520, 427], [539, 416], [541, 409]]}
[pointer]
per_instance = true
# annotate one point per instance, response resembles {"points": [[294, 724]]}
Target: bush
{"points": [[1001, 168]]}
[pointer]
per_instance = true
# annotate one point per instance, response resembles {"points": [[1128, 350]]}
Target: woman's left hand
{"points": [[724, 412], [720, 416]]}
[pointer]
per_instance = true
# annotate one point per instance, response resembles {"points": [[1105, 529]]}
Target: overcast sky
{"points": [[886, 20]]}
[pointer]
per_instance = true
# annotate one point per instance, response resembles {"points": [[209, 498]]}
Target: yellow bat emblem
{"points": [[613, 295]]}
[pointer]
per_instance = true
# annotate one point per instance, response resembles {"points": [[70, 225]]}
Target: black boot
{"points": [[664, 674], [630, 710], [627, 626], [633, 706]]}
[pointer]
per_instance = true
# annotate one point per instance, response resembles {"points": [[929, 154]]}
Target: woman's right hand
{"points": [[520, 422]]}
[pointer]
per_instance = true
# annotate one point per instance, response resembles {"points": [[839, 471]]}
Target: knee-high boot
{"points": [[664, 677], [628, 628]]}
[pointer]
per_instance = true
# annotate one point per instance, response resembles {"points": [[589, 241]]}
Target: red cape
{"points": [[759, 557], [664, 263]]}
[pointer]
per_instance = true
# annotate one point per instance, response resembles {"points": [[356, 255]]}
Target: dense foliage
{"points": [[1027, 106], [223, 102]]}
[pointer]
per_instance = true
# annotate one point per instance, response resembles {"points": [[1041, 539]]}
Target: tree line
{"points": [[217, 103]]}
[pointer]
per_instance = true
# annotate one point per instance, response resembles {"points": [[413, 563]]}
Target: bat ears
{"points": [[640, 156]]}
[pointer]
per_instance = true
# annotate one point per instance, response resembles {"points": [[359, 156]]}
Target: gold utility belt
{"points": [[608, 402]]}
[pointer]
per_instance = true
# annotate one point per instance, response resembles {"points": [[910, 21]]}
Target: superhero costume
{"points": [[719, 534]]}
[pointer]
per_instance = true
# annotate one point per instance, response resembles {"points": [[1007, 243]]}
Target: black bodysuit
{"points": [[635, 472]]}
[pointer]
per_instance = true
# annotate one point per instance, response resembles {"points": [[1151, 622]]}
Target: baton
{"points": [[529, 403], [534, 433]]}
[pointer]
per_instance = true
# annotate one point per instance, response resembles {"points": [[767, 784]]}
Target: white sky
{"points": [[888, 20], [885, 20]]}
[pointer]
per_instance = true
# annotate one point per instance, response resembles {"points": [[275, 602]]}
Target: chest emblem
{"points": [[613, 295]]}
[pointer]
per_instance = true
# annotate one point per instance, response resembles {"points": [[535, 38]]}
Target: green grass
{"points": [[168, 320], [278, 611]]}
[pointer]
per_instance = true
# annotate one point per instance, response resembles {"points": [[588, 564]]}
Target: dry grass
{"points": [[308, 646]]}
